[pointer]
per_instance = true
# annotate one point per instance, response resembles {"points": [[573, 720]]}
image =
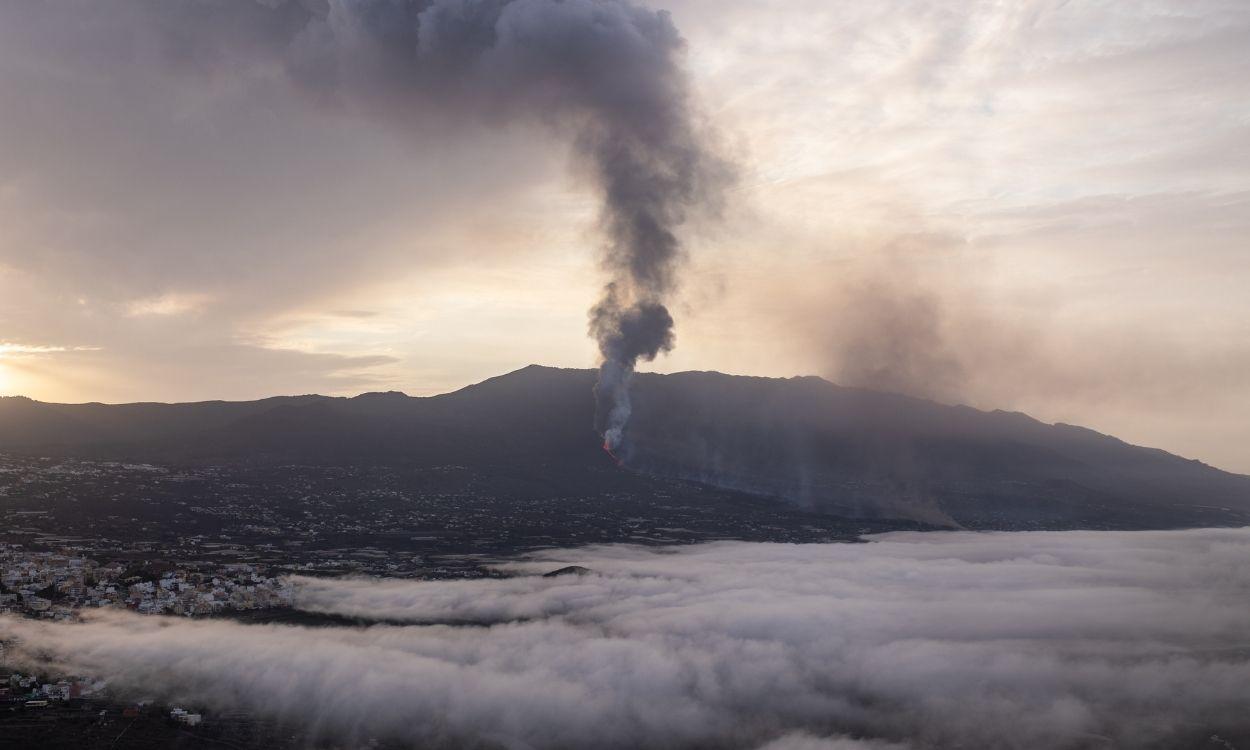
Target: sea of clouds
{"points": [[914, 640]]}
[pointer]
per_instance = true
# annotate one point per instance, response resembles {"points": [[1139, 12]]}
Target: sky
{"points": [[1037, 205], [1039, 640]]}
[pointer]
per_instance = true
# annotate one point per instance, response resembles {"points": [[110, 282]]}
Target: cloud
{"points": [[234, 370], [171, 303], [10, 349], [1029, 640], [801, 741]]}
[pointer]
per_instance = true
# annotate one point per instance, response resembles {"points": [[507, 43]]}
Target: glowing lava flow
{"points": [[608, 450]]}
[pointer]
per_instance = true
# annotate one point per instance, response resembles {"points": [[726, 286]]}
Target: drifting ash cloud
{"points": [[941, 640]]}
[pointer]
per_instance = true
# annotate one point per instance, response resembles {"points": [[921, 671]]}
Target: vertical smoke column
{"points": [[627, 331], [654, 169], [605, 75]]}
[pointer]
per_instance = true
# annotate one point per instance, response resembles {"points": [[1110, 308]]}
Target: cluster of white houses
{"points": [[54, 585]]}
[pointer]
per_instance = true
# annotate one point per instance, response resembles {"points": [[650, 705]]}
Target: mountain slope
{"points": [[839, 450], [860, 452]]}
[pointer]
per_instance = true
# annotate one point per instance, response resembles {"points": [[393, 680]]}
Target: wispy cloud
{"points": [[167, 305], [10, 349]]}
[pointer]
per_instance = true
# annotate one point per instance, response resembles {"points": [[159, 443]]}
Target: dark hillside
{"points": [[809, 442]]}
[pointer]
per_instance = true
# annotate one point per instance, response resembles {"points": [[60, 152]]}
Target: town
{"points": [[439, 522], [56, 584]]}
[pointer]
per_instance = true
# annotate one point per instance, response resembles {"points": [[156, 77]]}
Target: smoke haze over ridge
{"points": [[1029, 640]]}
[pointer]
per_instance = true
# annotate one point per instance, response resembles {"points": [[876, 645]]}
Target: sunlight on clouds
{"points": [[166, 305], [27, 368], [453, 326], [8, 349], [18, 349]]}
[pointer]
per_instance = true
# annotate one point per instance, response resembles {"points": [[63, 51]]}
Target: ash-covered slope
{"points": [[804, 440], [860, 452]]}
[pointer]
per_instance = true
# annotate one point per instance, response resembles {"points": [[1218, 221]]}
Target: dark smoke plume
{"points": [[605, 75], [625, 334]]}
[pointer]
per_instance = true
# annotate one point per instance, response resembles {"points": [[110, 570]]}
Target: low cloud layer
{"points": [[1024, 640]]}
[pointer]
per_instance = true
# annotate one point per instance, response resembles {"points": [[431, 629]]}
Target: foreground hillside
{"points": [[804, 441]]}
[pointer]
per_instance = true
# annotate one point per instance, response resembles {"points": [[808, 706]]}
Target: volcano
{"points": [[802, 441]]}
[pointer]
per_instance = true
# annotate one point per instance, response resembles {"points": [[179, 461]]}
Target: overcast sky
{"points": [[1040, 206]]}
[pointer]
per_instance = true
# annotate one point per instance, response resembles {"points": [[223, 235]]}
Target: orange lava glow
{"points": [[608, 450]]}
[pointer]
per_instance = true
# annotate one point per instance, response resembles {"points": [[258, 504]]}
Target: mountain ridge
{"points": [[847, 451], [376, 395]]}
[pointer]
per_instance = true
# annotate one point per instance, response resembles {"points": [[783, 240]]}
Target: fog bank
{"points": [[1029, 640]]}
